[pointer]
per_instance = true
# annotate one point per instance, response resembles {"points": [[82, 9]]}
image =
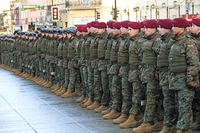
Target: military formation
{"points": [[142, 75]]}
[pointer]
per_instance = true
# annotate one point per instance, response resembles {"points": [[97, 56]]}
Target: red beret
{"points": [[166, 23], [117, 25], [84, 28], [125, 23], [89, 25], [110, 23], [142, 24], [180, 22], [101, 25], [196, 21], [134, 25], [79, 28], [189, 23], [151, 23]]}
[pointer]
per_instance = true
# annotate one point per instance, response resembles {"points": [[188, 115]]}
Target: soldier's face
{"points": [[195, 29], [69, 35], [78, 33], [163, 31], [116, 31], [133, 32], [124, 30], [177, 30], [149, 31], [101, 31], [143, 30], [109, 30]]}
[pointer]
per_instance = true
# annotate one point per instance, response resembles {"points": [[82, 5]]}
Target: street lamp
{"points": [[136, 9], [127, 11], [152, 7], [165, 5]]}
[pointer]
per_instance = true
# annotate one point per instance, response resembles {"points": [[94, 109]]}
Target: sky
{"points": [[4, 4]]}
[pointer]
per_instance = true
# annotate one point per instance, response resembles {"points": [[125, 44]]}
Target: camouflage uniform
{"points": [[183, 67], [123, 59], [196, 101], [114, 71], [103, 93], [162, 65], [107, 58], [153, 93], [72, 65], [135, 62]]}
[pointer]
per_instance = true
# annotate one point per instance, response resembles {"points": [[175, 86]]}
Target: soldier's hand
{"points": [[192, 84], [157, 75], [75, 65], [168, 79]]}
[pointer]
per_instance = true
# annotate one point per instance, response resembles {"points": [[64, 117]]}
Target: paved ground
{"points": [[28, 108]]}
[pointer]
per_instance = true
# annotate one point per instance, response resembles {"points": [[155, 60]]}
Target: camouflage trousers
{"points": [[84, 80], [90, 80], [196, 107], [168, 102], [110, 85], [74, 76], [116, 87], [153, 95], [138, 92], [101, 90], [182, 97], [126, 90]]}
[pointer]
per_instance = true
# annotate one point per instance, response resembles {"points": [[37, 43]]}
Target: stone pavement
{"points": [[28, 108]]}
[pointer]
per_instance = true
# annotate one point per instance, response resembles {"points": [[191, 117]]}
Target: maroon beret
{"points": [[110, 23], [94, 23], [117, 25], [141, 24], [134, 25], [89, 25], [196, 21], [151, 23], [180, 22], [101, 25], [125, 23], [84, 28], [79, 28], [166, 23]]}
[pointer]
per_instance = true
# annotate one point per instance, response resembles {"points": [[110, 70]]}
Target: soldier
{"points": [[123, 59], [114, 70], [195, 36], [91, 63], [83, 63], [74, 84], [65, 61], [183, 79], [100, 76], [109, 30], [149, 76], [135, 62], [60, 71], [164, 29]]}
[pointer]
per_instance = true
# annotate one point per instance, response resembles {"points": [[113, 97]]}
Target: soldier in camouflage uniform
{"points": [[123, 59], [114, 71], [74, 83], [195, 35], [82, 63], [90, 62], [135, 62], [107, 58], [85, 54], [150, 77], [183, 79], [165, 26]]}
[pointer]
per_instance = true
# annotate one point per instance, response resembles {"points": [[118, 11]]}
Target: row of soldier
{"points": [[140, 74]]}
